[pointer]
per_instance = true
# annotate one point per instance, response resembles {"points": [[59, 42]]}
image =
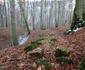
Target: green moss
{"points": [[36, 42], [33, 42], [44, 62], [53, 39], [82, 65], [64, 60], [30, 47], [39, 43], [61, 51]]}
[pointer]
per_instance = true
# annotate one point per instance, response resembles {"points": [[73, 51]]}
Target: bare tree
{"points": [[5, 13], [13, 24], [42, 13], [23, 15], [33, 14]]}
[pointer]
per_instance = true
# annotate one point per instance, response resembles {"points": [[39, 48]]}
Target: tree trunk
{"points": [[56, 23], [42, 13], [78, 13], [33, 15], [5, 13], [2, 23], [24, 18], [13, 24]]}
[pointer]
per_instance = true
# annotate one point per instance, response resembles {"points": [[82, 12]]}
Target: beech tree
{"points": [[13, 24], [42, 13], [79, 14], [5, 13]]}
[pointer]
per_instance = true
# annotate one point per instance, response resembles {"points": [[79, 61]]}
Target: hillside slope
{"points": [[16, 59]]}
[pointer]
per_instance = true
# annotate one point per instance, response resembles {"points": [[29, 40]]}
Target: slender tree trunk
{"points": [[33, 15], [2, 15], [5, 13], [13, 24], [23, 15], [42, 13], [56, 23], [50, 14]]}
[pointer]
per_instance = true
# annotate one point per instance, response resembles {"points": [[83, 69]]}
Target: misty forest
{"points": [[42, 34]]}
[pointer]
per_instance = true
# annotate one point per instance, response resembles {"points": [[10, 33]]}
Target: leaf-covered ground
{"points": [[15, 58]]}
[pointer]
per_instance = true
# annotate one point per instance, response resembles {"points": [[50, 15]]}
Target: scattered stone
{"points": [[61, 51], [36, 42], [53, 39], [30, 47], [33, 46], [45, 62]]}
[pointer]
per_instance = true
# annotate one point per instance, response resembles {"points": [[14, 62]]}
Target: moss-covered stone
{"points": [[64, 60], [44, 62], [30, 47], [36, 42], [37, 52], [53, 39], [61, 51], [82, 65]]}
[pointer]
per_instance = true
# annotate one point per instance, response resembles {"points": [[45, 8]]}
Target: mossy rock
{"points": [[30, 47], [82, 65], [53, 39], [61, 51], [45, 62], [36, 42], [37, 52], [64, 60], [33, 42]]}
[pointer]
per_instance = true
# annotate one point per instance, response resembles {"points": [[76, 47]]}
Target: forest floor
{"points": [[15, 58]]}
